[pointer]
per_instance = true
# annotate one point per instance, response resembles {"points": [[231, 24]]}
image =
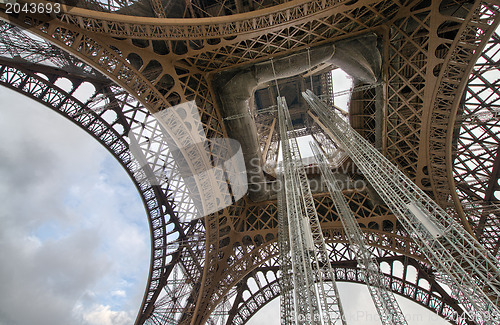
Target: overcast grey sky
{"points": [[74, 242]]}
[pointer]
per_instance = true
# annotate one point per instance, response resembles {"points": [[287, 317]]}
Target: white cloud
{"points": [[119, 293], [103, 315]]}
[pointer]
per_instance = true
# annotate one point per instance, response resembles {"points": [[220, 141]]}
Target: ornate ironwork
{"points": [[143, 65]]}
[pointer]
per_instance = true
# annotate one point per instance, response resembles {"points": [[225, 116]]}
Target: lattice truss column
{"points": [[385, 303], [318, 303], [287, 308], [431, 51], [464, 264]]}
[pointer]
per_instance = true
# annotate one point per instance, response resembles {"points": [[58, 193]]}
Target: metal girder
{"points": [[385, 303], [226, 26], [314, 304], [287, 302]]}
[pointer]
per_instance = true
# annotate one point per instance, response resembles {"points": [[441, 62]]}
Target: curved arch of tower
{"points": [[174, 80]]}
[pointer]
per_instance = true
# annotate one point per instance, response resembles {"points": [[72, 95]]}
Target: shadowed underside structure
{"points": [[427, 96]]}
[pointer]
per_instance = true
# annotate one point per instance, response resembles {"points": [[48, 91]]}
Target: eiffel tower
{"points": [[426, 96]]}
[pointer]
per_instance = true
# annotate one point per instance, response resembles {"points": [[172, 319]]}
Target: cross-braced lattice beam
{"points": [[385, 303], [307, 243]]}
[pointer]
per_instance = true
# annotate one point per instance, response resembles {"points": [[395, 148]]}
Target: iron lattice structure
{"points": [[434, 114]]}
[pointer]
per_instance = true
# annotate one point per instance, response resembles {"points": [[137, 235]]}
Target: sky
{"points": [[74, 240]]}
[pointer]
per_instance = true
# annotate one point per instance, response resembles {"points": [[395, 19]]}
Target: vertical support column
{"points": [[462, 263], [305, 229], [306, 303], [379, 288], [285, 281]]}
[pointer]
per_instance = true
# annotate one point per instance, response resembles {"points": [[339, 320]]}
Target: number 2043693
{"points": [[32, 8]]}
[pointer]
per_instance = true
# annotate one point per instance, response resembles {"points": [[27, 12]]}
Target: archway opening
{"points": [[358, 307]]}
